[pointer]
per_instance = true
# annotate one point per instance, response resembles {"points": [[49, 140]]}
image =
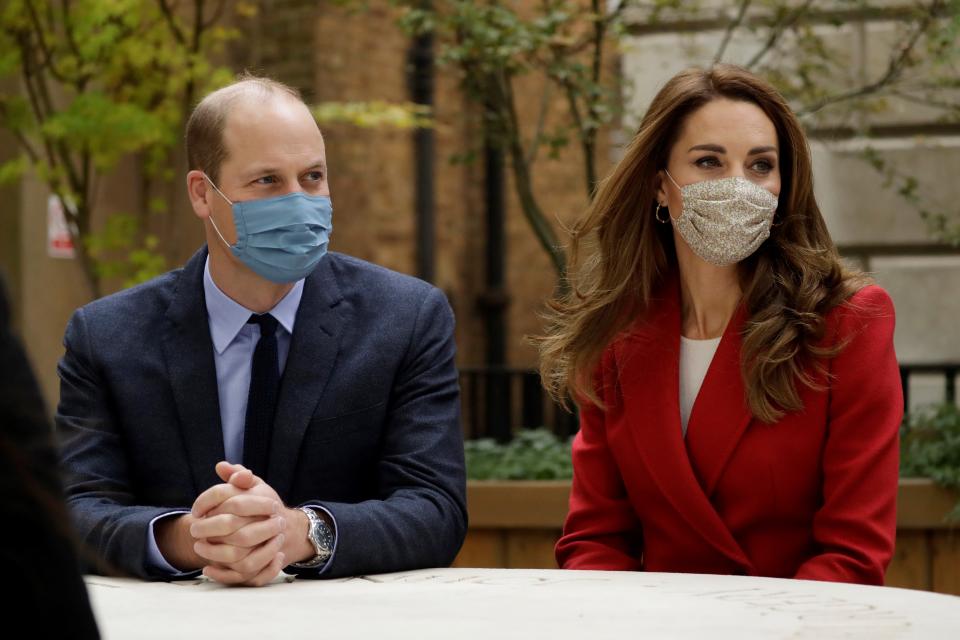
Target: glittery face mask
{"points": [[724, 221]]}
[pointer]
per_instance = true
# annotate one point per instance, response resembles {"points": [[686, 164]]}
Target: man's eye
{"points": [[266, 180], [315, 176]]}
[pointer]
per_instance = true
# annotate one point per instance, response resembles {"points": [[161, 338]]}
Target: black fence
{"points": [[498, 401]]}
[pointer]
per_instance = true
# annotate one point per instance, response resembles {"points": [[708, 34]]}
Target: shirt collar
{"points": [[228, 317]]}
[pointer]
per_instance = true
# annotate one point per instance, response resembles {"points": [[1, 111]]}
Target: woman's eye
{"points": [[762, 166], [708, 162]]}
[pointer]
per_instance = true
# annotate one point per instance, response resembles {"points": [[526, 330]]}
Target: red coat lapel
{"points": [[648, 361], [720, 414]]}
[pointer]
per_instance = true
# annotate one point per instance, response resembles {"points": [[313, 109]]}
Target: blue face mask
{"points": [[281, 239]]}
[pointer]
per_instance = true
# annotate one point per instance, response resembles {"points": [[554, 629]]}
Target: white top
{"points": [[695, 359]]}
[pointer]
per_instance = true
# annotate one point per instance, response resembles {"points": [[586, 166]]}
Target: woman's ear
{"points": [[661, 191]]}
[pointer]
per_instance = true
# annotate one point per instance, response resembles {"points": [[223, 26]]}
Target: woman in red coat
{"points": [[739, 392]]}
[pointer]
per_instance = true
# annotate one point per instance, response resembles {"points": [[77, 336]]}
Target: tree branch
{"points": [[523, 181], [777, 31], [733, 26], [198, 26], [926, 101], [32, 153], [896, 65], [71, 40], [531, 155], [217, 14], [48, 59], [28, 73], [171, 21]]}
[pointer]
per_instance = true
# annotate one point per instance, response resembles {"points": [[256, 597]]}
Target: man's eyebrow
{"points": [[261, 171], [266, 170]]}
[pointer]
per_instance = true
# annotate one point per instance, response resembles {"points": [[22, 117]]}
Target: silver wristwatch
{"points": [[320, 537]]}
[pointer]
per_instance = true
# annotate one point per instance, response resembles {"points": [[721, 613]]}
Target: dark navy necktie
{"points": [[262, 398]]}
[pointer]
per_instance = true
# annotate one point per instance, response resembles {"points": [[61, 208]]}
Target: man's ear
{"points": [[200, 193]]}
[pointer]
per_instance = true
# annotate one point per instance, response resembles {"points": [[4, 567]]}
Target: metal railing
{"points": [[498, 401]]}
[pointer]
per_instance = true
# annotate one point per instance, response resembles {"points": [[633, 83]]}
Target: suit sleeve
{"points": [[420, 517], [602, 530], [855, 528], [99, 493]]}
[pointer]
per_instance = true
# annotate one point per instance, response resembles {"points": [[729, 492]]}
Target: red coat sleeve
{"points": [[855, 527], [601, 530]]}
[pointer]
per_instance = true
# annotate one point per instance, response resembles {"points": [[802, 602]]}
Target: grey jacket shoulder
{"points": [[351, 270], [126, 317], [375, 285]]}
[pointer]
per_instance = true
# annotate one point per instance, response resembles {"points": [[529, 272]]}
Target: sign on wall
{"points": [[59, 239]]}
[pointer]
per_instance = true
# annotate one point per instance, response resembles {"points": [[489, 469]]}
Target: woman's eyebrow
{"points": [[708, 147]]}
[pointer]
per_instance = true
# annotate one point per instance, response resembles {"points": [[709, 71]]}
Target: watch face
{"points": [[320, 537]]}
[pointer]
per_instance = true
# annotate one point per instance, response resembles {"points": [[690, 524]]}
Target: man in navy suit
{"points": [[270, 406]]}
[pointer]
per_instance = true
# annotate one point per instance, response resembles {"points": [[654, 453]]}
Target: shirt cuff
{"points": [[156, 563], [333, 521]]}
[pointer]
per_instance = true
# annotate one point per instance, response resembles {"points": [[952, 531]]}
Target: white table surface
{"points": [[519, 603]]}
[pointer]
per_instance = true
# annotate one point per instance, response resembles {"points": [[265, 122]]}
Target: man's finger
{"points": [[247, 505], [255, 561], [227, 554], [269, 572], [213, 497], [256, 533], [218, 525], [226, 469], [237, 474], [244, 479], [225, 575]]}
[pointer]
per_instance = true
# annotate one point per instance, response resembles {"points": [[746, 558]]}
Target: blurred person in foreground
{"points": [[45, 594], [739, 393], [270, 406]]}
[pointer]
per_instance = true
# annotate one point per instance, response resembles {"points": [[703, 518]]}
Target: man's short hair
{"points": [[205, 147]]}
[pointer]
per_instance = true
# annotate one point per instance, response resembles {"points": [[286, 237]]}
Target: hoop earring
{"points": [[656, 214]]}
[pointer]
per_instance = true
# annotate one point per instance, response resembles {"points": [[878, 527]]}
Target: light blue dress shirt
{"points": [[233, 344]]}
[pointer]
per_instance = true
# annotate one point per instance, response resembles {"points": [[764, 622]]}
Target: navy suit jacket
{"points": [[367, 423]]}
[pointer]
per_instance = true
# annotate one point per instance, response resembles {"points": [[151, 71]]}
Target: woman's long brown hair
{"points": [[789, 284]]}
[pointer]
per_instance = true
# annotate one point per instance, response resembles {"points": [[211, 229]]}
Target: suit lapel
{"points": [[188, 350], [648, 362], [311, 360], [720, 413]]}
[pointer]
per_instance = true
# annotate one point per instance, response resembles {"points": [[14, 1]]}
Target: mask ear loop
{"points": [[777, 220], [656, 214], [210, 218]]}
